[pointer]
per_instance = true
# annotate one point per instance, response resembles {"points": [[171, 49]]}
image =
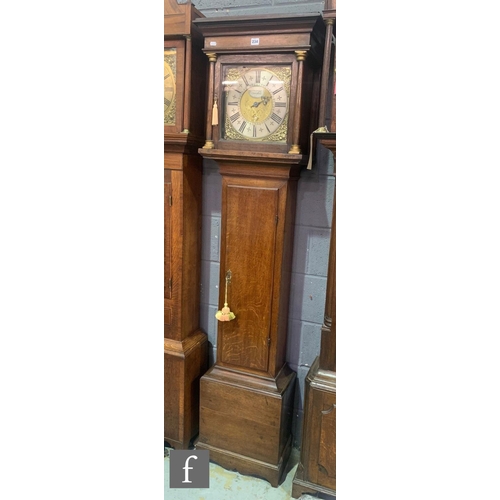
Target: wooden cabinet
{"points": [[185, 344], [261, 102]]}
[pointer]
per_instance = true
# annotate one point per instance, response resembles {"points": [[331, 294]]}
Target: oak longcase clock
{"points": [[185, 344], [262, 103]]}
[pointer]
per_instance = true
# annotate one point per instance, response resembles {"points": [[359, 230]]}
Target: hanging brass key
{"points": [[225, 313]]}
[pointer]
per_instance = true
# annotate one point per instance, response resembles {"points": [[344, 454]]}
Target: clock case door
{"points": [[256, 245]]}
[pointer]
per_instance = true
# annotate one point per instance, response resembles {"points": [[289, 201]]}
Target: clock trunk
{"points": [[246, 399]]}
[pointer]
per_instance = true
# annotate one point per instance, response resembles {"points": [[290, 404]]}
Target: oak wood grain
{"points": [[246, 426]]}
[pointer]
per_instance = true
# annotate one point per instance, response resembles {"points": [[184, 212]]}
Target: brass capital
{"points": [[329, 20], [212, 56], [301, 55], [294, 150], [209, 145]]}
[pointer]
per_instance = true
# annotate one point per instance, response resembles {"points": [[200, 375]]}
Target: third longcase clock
{"points": [[185, 345], [263, 82], [316, 472]]}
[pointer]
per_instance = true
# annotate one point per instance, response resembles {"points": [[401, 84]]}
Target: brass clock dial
{"points": [[256, 103], [169, 66]]}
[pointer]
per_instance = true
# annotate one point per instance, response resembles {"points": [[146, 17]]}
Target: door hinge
{"points": [[170, 200], [170, 284], [277, 218], [269, 341]]}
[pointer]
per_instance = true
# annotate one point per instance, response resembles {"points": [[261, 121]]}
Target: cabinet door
{"points": [[250, 222], [322, 460], [168, 246]]}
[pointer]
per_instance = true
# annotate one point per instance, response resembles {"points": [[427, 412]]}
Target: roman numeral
{"points": [[235, 117], [267, 127], [235, 103], [276, 118], [168, 75], [280, 104], [257, 76], [244, 79], [254, 131], [243, 125], [277, 90]]}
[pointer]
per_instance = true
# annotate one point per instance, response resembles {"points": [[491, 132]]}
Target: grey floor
{"points": [[227, 485]]}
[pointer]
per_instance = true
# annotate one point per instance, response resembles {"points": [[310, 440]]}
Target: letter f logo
{"points": [[187, 469]]}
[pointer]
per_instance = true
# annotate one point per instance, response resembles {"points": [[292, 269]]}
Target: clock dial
{"points": [[256, 103], [169, 65]]}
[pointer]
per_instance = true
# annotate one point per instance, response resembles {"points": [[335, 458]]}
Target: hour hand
{"points": [[256, 104]]}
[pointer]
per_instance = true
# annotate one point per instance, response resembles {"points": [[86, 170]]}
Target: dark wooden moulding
{"points": [[185, 344]]}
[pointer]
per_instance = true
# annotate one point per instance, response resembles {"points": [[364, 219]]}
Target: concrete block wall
{"points": [[312, 232], [217, 8]]}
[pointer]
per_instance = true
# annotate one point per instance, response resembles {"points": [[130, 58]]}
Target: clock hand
{"points": [[256, 104]]}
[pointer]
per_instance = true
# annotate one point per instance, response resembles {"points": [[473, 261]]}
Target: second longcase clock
{"points": [[262, 102], [185, 344]]}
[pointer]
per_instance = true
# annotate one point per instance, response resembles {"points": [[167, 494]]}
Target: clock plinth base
{"points": [[184, 363], [316, 472], [245, 465], [301, 487], [245, 421]]}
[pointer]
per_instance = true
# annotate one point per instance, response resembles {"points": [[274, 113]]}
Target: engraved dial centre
{"points": [[256, 104]]}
